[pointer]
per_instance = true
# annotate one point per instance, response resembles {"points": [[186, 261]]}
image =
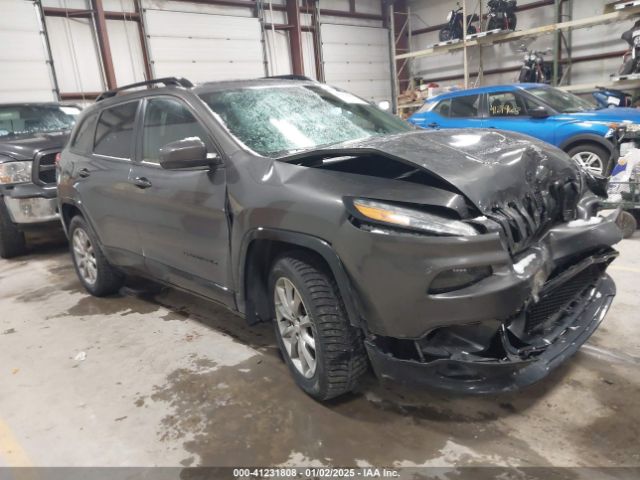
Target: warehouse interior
{"points": [[159, 374]]}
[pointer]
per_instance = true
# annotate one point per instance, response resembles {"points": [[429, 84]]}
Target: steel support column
{"points": [[103, 40], [295, 36]]}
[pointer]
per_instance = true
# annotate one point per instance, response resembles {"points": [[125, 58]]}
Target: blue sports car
{"points": [[544, 112]]}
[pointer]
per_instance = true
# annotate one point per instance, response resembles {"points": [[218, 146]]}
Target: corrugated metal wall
{"points": [[24, 71]]}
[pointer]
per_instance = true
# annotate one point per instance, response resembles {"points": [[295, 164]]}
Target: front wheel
{"points": [[627, 223], [512, 21], [12, 241], [324, 353], [592, 158], [97, 276], [445, 34]]}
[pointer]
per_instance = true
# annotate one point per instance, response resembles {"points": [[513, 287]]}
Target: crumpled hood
{"points": [[25, 147], [489, 167]]}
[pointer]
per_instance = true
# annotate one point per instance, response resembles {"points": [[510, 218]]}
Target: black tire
{"points": [[512, 20], [494, 24], [445, 34], [471, 30], [12, 241], [524, 75], [627, 67], [627, 223], [107, 279], [340, 357], [603, 154]]}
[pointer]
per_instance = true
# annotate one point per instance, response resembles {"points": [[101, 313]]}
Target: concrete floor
{"points": [[167, 379]]}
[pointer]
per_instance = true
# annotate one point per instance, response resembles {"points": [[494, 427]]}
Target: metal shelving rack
{"points": [[616, 13]]}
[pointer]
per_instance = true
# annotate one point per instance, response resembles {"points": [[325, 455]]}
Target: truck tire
{"points": [[12, 241], [592, 157], [95, 273], [324, 353]]}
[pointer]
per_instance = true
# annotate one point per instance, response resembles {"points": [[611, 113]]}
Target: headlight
{"points": [[411, 219], [449, 16], [15, 172]]}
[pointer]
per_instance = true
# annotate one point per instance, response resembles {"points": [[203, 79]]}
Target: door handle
{"points": [[142, 182], [84, 173], [433, 125]]}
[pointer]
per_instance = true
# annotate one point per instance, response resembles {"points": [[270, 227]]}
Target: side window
{"points": [[443, 108], [167, 120], [507, 104], [83, 137], [114, 132], [465, 107]]}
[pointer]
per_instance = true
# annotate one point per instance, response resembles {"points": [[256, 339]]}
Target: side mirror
{"points": [[539, 112], [186, 153]]}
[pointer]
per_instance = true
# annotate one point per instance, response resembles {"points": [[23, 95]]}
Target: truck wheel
{"points": [[12, 242], [627, 223], [592, 158], [97, 276], [324, 353]]}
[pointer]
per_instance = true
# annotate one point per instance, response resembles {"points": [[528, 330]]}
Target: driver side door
{"points": [[182, 215]]}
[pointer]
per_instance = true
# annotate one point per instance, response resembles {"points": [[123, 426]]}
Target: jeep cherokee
{"points": [[471, 260]]}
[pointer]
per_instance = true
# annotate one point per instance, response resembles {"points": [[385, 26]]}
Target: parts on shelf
{"points": [[622, 6]]}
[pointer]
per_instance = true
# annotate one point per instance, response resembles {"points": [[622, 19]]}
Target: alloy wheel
{"points": [[84, 256], [590, 161], [295, 327]]}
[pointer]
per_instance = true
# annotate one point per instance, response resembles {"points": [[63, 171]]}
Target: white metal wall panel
{"points": [[204, 47], [75, 54], [357, 59], [126, 51], [23, 57]]}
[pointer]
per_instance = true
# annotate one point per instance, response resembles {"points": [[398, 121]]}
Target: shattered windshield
{"points": [[29, 119], [560, 101], [274, 121]]}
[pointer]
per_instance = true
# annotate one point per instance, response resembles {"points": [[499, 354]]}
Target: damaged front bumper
{"points": [[512, 329], [509, 363]]}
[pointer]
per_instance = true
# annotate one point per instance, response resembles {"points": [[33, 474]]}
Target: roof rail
{"points": [[292, 77], [166, 81]]}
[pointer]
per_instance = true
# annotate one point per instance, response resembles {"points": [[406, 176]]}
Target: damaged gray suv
{"points": [[471, 260]]}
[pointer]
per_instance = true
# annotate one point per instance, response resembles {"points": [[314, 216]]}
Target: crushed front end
{"points": [[496, 310]]}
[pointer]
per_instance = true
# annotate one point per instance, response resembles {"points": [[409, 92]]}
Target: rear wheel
{"points": [[324, 353], [592, 158], [12, 241], [512, 21], [94, 271], [494, 24]]}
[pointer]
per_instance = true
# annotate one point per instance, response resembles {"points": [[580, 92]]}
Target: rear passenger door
{"points": [[182, 216], [102, 179], [458, 112]]}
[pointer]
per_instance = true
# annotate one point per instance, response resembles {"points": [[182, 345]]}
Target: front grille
{"points": [[44, 168], [523, 219], [542, 315]]}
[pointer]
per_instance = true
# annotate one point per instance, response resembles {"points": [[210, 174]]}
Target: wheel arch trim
{"points": [[309, 242]]}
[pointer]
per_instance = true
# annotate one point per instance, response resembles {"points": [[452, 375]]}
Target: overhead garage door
{"points": [[202, 46], [26, 75], [357, 59]]}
